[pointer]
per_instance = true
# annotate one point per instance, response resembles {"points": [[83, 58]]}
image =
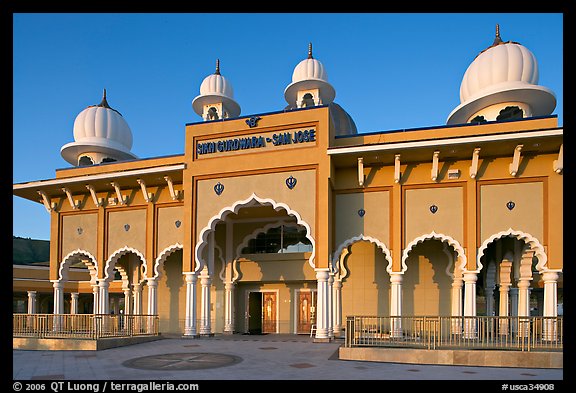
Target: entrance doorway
{"points": [[262, 316], [305, 311]]}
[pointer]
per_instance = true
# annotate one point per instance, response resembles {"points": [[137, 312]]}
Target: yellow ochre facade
{"points": [[290, 221]]}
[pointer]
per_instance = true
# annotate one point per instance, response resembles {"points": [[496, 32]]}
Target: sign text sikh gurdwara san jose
{"points": [[286, 138]]}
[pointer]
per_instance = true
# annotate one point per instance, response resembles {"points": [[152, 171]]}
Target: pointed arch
{"points": [[162, 256], [91, 263], [113, 258], [233, 209], [361, 237], [530, 240], [438, 236]]}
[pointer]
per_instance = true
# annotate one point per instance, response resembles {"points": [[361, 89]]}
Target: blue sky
{"points": [[390, 71]]}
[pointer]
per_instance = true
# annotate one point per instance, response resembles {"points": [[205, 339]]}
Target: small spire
{"points": [[497, 39], [310, 51], [217, 67], [104, 102]]}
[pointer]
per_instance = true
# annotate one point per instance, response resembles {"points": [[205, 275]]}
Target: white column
{"points": [[523, 298], [550, 305], [337, 306], [96, 301], [503, 310], [329, 306], [229, 307], [58, 304], [470, 303], [127, 299], [396, 304], [190, 322], [456, 324], [137, 299], [489, 292], [205, 318], [58, 297], [322, 306], [104, 307], [152, 296], [74, 303], [32, 302]]}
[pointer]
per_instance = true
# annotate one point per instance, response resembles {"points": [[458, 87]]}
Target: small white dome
{"points": [[99, 129], [309, 74], [215, 88]]}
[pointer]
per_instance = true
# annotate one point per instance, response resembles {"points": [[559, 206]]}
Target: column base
{"points": [[190, 336], [322, 340], [207, 334], [228, 332]]}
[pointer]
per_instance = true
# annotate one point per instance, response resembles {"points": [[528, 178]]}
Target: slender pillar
{"points": [[337, 306], [152, 296], [489, 292], [58, 304], [329, 306], [137, 299], [127, 299], [322, 306], [396, 304], [104, 307], [457, 284], [470, 304], [96, 300], [74, 303], [190, 322], [205, 317], [32, 302], [550, 313], [229, 307], [505, 284]]}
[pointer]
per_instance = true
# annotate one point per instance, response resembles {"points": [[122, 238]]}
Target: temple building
{"points": [[290, 221]]}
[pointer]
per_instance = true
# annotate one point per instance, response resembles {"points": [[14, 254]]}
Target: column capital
{"points": [[470, 276], [229, 285], [396, 278], [32, 293], [322, 274], [74, 295], [103, 284], [152, 282], [550, 276], [190, 277], [57, 284]]}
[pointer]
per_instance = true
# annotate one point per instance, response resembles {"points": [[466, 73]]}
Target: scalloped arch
{"points": [[533, 242], [111, 262], [362, 237], [67, 261], [438, 236], [260, 230], [236, 206], [164, 254]]}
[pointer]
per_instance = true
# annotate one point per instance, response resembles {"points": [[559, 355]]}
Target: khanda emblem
{"points": [[291, 182], [253, 121], [219, 188]]}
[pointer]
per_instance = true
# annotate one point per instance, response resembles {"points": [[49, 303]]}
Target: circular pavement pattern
{"points": [[182, 361]]}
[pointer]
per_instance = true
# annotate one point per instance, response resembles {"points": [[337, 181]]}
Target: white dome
{"points": [[215, 88], [99, 129], [97, 123], [309, 69], [504, 74], [216, 84], [309, 74], [501, 64]]}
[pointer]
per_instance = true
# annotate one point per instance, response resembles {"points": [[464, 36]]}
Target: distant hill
{"points": [[29, 251]]}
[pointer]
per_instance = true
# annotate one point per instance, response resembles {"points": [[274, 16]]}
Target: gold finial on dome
{"points": [[497, 39], [104, 103], [310, 51], [217, 67]]}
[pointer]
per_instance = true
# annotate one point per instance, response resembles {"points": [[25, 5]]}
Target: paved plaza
{"points": [[242, 357]]}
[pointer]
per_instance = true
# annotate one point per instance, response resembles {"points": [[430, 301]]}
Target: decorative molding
{"points": [[361, 212], [73, 204], [291, 182], [439, 236], [474, 166], [530, 240], [234, 208], [173, 193], [111, 262], [67, 260], [362, 237], [513, 167], [46, 201], [397, 174], [162, 256], [361, 171], [433, 209], [120, 198], [558, 165], [148, 197], [434, 171], [253, 121], [99, 202], [219, 188]]}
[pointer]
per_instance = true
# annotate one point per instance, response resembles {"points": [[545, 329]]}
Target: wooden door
{"points": [[306, 311], [269, 312]]}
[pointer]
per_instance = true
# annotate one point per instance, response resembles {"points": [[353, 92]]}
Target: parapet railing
{"points": [[447, 332], [83, 326]]}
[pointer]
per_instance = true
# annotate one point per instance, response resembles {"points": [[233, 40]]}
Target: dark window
{"points": [[108, 159], [478, 120], [85, 161], [510, 113], [307, 100], [212, 114], [281, 239]]}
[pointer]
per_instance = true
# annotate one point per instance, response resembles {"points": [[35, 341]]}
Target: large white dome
{"points": [[101, 132], [503, 75]]}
